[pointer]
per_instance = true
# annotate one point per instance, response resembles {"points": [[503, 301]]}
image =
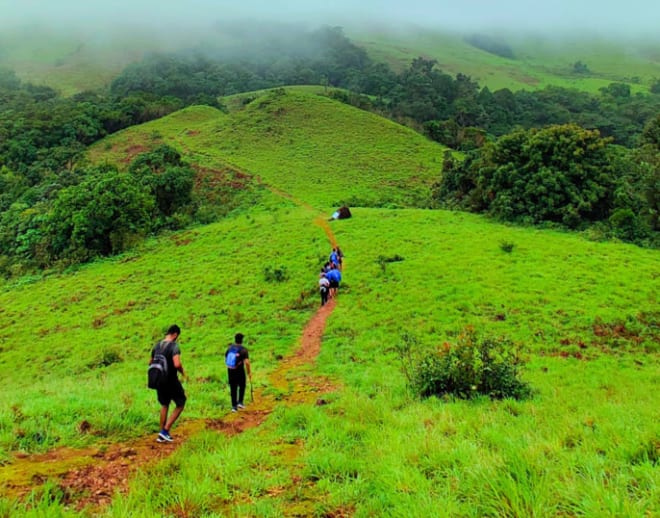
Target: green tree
{"points": [[100, 216], [559, 174]]}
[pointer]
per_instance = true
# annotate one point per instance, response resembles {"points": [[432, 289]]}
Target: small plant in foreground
{"points": [[383, 261], [507, 246], [276, 274], [471, 367]]}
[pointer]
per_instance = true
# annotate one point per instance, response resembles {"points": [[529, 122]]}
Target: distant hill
{"points": [[524, 62], [77, 61], [307, 145]]}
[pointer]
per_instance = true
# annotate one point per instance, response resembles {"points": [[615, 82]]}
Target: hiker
{"points": [[171, 389], [334, 257], [334, 276], [237, 360], [324, 287], [340, 255]]}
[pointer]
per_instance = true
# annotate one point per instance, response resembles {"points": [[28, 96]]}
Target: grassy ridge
{"points": [[539, 62], [307, 145], [585, 444]]}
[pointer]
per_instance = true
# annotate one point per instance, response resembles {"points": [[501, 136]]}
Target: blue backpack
{"points": [[233, 356]]}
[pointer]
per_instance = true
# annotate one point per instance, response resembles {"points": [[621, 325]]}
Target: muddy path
{"points": [[90, 477]]}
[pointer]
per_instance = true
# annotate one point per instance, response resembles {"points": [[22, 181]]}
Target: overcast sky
{"points": [[622, 16]]}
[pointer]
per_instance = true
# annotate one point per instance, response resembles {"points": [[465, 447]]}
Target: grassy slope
{"points": [[539, 62], [314, 148], [72, 62], [373, 450], [67, 62], [584, 445]]}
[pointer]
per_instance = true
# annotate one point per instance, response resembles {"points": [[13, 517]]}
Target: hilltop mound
{"points": [[309, 146]]}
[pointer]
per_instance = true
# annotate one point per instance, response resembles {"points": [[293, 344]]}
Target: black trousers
{"points": [[237, 383], [324, 296]]}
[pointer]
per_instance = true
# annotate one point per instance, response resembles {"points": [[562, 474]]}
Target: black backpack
{"points": [[157, 372]]}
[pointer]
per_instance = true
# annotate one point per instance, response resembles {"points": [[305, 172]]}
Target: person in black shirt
{"points": [[237, 360], [172, 389]]}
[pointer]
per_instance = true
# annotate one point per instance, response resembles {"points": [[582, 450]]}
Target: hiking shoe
{"points": [[164, 436], [234, 409], [241, 406]]}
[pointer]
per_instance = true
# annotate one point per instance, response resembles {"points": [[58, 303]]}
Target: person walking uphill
{"points": [[169, 389], [324, 287], [237, 360]]}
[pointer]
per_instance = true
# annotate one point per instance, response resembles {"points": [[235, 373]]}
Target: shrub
{"points": [[276, 274], [383, 261], [507, 246], [471, 367]]}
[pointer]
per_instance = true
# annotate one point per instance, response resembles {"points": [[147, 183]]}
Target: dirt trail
{"points": [[89, 477]]}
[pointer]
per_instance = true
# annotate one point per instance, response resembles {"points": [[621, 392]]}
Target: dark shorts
{"points": [[173, 391], [334, 284]]}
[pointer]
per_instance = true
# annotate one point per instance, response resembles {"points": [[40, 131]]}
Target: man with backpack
{"points": [[324, 287], [163, 366], [237, 360], [334, 276]]}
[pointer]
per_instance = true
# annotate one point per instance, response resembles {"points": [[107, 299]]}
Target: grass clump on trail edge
{"points": [[471, 367]]}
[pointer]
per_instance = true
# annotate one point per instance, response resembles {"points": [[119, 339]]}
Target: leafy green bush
{"points": [[276, 274], [507, 246], [471, 367], [383, 261]]}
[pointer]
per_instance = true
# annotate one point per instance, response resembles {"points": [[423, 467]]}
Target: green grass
{"points": [[539, 61], [585, 444], [112, 312], [584, 313], [311, 147]]}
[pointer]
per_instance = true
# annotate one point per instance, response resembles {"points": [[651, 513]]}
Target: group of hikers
{"points": [[165, 361], [330, 275], [169, 388]]}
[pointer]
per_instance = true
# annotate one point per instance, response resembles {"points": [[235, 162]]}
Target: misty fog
{"points": [[632, 18]]}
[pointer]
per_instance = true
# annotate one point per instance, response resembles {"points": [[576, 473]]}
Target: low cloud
{"points": [[635, 17]]}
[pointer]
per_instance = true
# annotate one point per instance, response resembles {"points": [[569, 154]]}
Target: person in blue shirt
{"points": [[334, 276], [334, 256]]}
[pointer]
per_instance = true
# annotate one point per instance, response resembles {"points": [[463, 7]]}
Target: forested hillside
{"points": [[45, 135]]}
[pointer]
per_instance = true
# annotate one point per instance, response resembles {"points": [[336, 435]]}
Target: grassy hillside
{"points": [[585, 444], [584, 314], [309, 146], [64, 60], [76, 60], [538, 61]]}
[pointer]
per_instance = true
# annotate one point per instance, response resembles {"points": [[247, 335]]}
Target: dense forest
{"points": [[552, 156]]}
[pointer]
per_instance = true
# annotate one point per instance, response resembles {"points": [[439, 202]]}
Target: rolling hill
{"points": [[535, 62], [76, 60], [307, 145], [340, 435]]}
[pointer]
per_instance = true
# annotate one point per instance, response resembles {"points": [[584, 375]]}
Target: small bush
{"points": [[471, 367], [507, 246], [383, 261], [105, 359], [276, 274]]}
